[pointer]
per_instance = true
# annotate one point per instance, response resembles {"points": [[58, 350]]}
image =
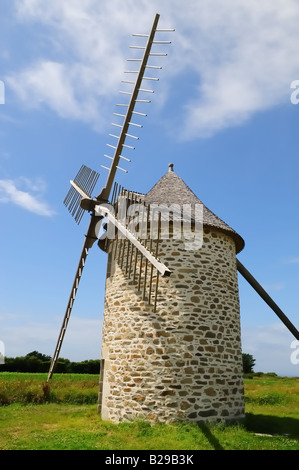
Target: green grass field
{"points": [[65, 417]]}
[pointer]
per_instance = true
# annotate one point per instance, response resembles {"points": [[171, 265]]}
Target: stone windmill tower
{"points": [[179, 356]]}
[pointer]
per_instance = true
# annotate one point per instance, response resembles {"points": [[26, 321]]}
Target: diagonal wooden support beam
{"points": [[266, 297]]}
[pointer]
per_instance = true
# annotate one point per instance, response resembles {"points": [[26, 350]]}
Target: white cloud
{"points": [[9, 193], [88, 40], [54, 84], [242, 54], [21, 335], [270, 345], [245, 60]]}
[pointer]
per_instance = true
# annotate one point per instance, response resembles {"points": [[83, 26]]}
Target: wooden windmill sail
{"points": [[79, 197], [137, 257]]}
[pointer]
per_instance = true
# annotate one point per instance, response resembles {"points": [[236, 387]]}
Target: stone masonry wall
{"points": [[183, 362]]}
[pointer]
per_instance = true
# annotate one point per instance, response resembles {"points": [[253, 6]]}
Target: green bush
{"points": [[35, 362]]}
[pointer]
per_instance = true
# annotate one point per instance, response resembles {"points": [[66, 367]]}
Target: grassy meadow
{"points": [[64, 417]]}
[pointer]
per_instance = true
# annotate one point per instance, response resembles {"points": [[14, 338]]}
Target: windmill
{"points": [[171, 335]]}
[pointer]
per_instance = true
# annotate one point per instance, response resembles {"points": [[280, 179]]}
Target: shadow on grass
{"points": [[260, 424], [210, 437], [272, 425]]}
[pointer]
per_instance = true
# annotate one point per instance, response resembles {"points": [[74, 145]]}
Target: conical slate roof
{"points": [[171, 189]]}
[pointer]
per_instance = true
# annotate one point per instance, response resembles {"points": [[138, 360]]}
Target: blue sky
{"points": [[221, 113]]}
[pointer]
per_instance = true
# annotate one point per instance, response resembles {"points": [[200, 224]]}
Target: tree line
{"points": [[38, 362]]}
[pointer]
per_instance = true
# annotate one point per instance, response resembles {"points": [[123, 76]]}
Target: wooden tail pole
{"points": [[263, 294]]}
